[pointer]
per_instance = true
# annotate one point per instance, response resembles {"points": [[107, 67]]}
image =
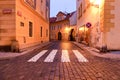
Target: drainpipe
{"points": [[77, 34], [103, 37]]}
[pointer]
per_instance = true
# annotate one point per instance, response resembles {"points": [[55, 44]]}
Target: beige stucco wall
{"points": [[22, 12], [113, 36], [73, 19], [7, 22], [105, 23]]}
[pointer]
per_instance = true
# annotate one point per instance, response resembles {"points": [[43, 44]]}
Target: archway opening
{"points": [[59, 36]]}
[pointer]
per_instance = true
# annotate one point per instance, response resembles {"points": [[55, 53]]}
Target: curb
{"points": [[13, 55], [97, 53]]}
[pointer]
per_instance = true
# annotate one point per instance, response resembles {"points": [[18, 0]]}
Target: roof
{"points": [[67, 16], [60, 12], [53, 19]]}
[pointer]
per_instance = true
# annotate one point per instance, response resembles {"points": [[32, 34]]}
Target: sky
{"points": [[61, 5]]}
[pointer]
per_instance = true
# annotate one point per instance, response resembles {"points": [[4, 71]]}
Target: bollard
{"points": [[104, 49], [14, 46]]}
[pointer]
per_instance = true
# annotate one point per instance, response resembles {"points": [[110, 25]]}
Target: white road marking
{"points": [[65, 56], [79, 56], [36, 57], [51, 56]]}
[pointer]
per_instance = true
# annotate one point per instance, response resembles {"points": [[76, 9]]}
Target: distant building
{"points": [[62, 25], [73, 25], [73, 19], [98, 23], [24, 21]]}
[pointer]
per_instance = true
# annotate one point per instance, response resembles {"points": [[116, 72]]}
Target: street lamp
{"points": [[67, 29], [95, 2]]}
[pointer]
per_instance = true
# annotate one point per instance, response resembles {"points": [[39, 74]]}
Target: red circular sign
{"points": [[88, 25]]}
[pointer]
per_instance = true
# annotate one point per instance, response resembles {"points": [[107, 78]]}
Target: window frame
{"points": [[30, 29]]}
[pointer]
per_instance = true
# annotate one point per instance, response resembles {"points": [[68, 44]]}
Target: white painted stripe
{"points": [[65, 56], [79, 56], [51, 56], [36, 57]]}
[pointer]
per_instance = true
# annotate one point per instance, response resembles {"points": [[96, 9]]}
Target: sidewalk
{"points": [[96, 52], [8, 55]]}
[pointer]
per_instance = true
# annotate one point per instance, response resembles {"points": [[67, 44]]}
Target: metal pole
{"points": [[84, 33]]}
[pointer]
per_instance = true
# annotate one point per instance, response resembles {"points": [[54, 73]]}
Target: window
{"points": [[46, 32], [32, 3], [59, 18], [30, 29], [41, 1], [54, 27], [24, 39], [50, 27], [59, 27], [47, 13], [41, 31], [21, 24], [3, 30], [41, 7], [80, 11]]}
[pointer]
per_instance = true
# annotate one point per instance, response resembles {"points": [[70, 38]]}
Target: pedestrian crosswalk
{"points": [[36, 57], [65, 56], [51, 56], [79, 56]]}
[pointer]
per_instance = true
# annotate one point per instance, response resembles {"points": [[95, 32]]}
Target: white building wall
{"points": [[73, 19], [113, 36], [90, 14]]}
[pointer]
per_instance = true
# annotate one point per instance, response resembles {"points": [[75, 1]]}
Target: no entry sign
{"points": [[88, 25]]}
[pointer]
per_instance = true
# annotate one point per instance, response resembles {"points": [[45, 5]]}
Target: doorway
{"points": [[59, 36], [72, 35]]}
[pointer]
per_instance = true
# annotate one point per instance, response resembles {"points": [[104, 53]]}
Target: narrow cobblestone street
{"points": [[95, 68], [59, 40]]}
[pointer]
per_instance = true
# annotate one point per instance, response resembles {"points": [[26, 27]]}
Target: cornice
{"points": [[32, 10]]}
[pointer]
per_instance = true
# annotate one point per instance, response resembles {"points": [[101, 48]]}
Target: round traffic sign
{"points": [[88, 25]]}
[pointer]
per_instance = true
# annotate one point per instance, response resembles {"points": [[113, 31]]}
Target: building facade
{"points": [[24, 21], [62, 25], [98, 23]]}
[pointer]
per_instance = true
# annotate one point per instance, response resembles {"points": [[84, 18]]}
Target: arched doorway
{"points": [[59, 36], [72, 35]]}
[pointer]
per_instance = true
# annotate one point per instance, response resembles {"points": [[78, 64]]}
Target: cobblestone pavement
{"points": [[95, 69]]}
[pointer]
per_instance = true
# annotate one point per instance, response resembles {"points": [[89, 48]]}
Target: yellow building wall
{"points": [[65, 29], [22, 33]]}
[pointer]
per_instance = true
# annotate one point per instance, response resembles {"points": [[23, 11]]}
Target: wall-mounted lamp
{"points": [[95, 2], [67, 29]]}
